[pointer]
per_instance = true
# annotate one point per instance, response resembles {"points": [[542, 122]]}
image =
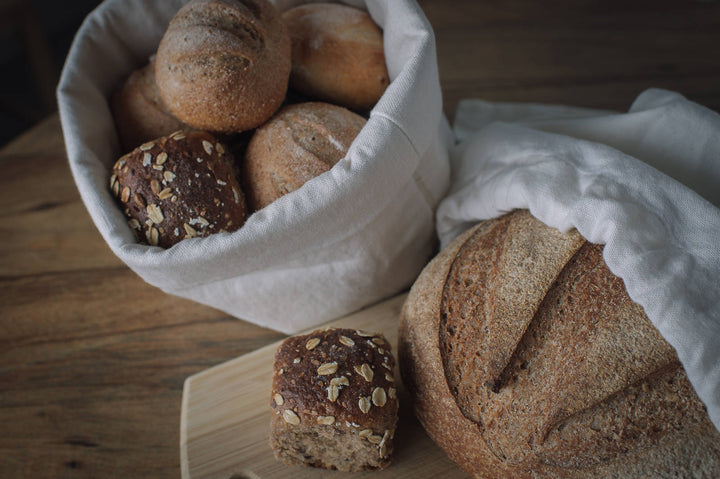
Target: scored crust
{"points": [[573, 381], [300, 142], [224, 65]]}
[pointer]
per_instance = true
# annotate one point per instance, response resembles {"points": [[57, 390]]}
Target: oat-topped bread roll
{"points": [[300, 142], [334, 400], [139, 112], [223, 65], [525, 358], [179, 186], [337, 54]]}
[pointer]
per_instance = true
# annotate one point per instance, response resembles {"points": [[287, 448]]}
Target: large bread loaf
{"points": [[525, 357]]}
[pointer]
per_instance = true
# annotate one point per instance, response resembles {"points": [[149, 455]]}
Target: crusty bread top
{"points": [[139, 112], [299, 143], [224, 65], [179, 186], [337, 54], [342, 374], [548, 369]]}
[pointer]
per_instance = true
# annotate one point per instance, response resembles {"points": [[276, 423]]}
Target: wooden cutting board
{"points": [[225, 419]]}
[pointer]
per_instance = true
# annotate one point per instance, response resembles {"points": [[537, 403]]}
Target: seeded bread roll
{"points": [[525, 358], [176, 187], [337, 54], [139, 112], [334, 400], [223, 65], [299, 143]]}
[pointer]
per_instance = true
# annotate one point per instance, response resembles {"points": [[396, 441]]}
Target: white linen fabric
{"points": [[350, 237], [646, 184]]}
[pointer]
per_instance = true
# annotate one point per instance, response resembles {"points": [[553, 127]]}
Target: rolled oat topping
{"points": [[326, 420], [364, 404], [327, 368], [347, 341], [290, 417], [365, 371], [379, 398]]}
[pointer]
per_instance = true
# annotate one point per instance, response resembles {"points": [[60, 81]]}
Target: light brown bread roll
{"points": [[334, 402], [180, 186], [526, 358], [139, 111], [299, 143], [337, 55], [223, 65]]}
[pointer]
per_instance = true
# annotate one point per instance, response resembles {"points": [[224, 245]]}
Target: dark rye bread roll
{"points": [[337, 55], [525, 357], [334, 400], [139, 111], [300, 142], [223, 65], [180, 186]]}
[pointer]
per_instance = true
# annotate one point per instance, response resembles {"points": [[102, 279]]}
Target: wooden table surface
{"points": [[92, 359]]}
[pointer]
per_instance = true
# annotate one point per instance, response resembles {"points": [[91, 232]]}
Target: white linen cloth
{"points": [[645, 183], [351, 237]]}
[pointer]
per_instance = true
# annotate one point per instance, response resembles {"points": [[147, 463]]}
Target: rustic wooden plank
{"points": [[44, 224], [576, 53], [44, 138], [97, 374]]}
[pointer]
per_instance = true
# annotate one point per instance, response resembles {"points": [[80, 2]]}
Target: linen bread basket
{"points": [[352, 236]]}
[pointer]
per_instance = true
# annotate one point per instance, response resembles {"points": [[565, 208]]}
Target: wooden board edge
{"points": [[184, 464]]}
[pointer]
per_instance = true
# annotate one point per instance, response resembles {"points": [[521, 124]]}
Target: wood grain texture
{"points": [[93, 360], [591, 54]]}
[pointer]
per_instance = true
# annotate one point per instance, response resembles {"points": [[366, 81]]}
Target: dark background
{"points": [[538, 42], [35, 36]]}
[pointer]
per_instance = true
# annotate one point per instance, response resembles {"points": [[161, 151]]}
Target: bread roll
{"points": [[299, 143], [139, 112], [525, 357], [180, 186], [223, 65], [334, 400], [337, 55]]}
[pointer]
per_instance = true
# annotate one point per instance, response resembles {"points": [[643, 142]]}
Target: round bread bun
{"points": [[139, 111], [179, 186], [337, 55], [223, 65], [525, 358], [300, 142], [343, 418]]}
